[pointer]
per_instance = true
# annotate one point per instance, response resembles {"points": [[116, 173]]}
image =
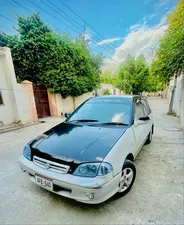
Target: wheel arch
{"points": [[130, 157]]}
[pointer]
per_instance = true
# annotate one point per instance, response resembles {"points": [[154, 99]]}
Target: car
{"points": [[89, 157]]}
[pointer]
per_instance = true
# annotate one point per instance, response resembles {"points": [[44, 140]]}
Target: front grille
{"points": [[51, 166]]}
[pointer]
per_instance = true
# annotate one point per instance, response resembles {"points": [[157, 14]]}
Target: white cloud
{"points": [[109, 65], [161, 3], [134, 27], [152, 16], [107, 41], [140, 40]]}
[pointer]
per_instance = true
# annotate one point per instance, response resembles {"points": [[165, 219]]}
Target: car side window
{"points": [[139, 112], [146, 107]]}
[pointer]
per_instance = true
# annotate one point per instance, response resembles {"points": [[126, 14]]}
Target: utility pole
{"points": [[172, 95], [84, 28]]}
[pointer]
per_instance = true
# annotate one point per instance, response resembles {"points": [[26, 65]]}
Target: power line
{"points": [[79, 27], [32, 12], [6, 18], [54, 18], [61, 22], [22, 6], [52, 15], [67, 20], [86, 22], [82, 28]]}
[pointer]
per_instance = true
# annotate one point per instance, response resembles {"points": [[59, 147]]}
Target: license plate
{"points": [[44, 182]]}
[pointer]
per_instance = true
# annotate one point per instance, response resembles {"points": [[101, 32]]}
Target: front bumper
{"points": [[72, 186]]}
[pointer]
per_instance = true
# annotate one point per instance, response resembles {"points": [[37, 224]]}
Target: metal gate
{"points": [[41, 100]]}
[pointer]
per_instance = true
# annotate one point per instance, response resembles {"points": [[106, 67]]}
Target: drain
{"points": [[173, 129]]}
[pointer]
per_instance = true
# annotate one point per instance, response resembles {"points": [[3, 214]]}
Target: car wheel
{"points": [[149, 139], [127, 178]]}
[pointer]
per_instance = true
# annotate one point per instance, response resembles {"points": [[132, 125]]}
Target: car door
{"points": [[140, 130], [147, 112]]}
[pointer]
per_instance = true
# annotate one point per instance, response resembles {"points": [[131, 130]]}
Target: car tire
{"points": [[149, 139], [126, 180]]}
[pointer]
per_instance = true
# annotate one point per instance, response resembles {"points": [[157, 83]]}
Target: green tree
{"points": [[124, 74], [140, 79], [64, 65], [76, 72], [106, 92], [170, 54], [133, 75], [29, 49], [106, 78], [154, 83]]}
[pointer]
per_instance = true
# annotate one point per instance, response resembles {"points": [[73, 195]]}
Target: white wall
{"points": [[69, 104], [23, 103], [178, 103], [64, 105], [8, 111], [79, 100], [15, 96]]}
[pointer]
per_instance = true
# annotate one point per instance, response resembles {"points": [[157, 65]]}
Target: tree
{"points": [[140, 79], [170, 54], [29, 49], [133, 75], [126, 70], [106, 92], [77, 70], [106, 78], [42, 56]]}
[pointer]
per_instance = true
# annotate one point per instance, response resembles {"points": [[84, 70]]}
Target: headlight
{"points": [[27, 152], [93, 169]]}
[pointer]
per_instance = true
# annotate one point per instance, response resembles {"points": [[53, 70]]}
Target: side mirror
{"points": [[144, 118], [141, 120], [67, 114]]}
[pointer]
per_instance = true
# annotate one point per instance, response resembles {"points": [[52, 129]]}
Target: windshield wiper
{"points": [[114, 123], [84, 120]]}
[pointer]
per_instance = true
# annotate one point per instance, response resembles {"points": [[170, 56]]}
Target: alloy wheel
{"points": [[126, 179]]}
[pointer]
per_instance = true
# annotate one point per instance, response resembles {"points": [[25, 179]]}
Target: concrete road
{"points": [[156, 197]]}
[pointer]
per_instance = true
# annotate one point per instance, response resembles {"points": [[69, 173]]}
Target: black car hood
{"points": [[77, 143]]}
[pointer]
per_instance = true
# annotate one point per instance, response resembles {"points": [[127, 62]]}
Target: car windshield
{"points": [[105, 110]]}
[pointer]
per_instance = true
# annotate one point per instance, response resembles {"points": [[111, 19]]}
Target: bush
{"points": [[106, 92]]}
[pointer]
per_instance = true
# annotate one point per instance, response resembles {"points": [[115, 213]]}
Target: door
{"points": [[147, 112], [139, 130], [41, 100]]}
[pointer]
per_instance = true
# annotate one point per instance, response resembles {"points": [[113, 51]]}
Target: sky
{"points": [[116, 28]]}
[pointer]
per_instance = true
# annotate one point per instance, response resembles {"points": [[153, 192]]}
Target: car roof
{"points": [[119, 96]]}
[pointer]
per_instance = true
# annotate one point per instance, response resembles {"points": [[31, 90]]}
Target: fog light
{"points": [[90, 195]]}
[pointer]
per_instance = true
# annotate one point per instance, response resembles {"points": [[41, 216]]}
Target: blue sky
{"points": [[131, 26]]}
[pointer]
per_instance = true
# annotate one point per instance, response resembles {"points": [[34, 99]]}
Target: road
{"points": [[156, 197]]}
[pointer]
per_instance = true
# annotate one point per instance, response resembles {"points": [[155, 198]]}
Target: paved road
{"points": [[156, 197]]}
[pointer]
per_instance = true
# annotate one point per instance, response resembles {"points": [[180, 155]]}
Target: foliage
{"points": [[170, 54], [133, 75], [78, 74], [106, 92], [64, 65], [29, 48], [154, 83], [106, 78]]}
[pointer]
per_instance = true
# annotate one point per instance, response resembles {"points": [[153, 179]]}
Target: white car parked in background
{"points": [[89, 157]]}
